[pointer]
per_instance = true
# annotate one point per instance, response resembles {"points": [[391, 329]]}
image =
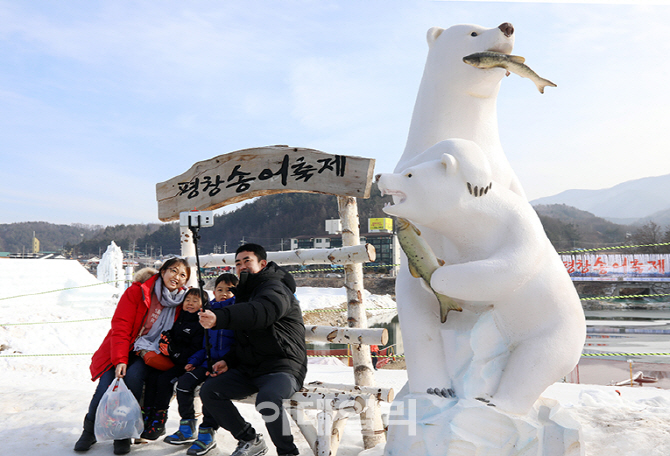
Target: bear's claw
{"points": [[444, 392], [485, 401]]}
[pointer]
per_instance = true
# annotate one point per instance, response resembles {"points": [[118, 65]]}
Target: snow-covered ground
{"points": [[44, 392]]}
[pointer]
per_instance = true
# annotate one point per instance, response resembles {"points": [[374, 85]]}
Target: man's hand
{"points": [[207, 319], [219, 367], [189, 367], [121, 370]]}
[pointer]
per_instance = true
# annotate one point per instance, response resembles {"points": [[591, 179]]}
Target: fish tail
{"points": [[446, 304], [542, 83]]}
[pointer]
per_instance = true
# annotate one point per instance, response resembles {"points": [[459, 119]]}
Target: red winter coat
{"points": [[127, 323]]}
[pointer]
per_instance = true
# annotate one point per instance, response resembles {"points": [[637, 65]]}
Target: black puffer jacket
{"points": [[268, 325], [186, 337]]}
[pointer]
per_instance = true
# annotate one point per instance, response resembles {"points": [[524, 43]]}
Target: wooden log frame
{"points": [[362, 253], [337, 335], [248, 173], [379, 393], [333, 403]]}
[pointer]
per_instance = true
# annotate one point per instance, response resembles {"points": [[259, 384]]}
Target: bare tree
{"points": [[648, 235]]}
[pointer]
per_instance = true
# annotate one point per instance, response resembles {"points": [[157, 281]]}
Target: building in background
{"points": [[379, 234]]}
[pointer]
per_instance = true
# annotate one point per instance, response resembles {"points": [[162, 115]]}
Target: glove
{"points": [[164, 343]]}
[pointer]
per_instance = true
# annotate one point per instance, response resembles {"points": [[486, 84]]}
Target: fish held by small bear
{"points": [[422, 262], [511, 63]]}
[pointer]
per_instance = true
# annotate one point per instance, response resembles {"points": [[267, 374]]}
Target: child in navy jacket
{"points": [[184, 339], [221, 340]]}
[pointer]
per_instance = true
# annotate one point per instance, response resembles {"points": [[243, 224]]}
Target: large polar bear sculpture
{"points": [[456, 100], [522, 327]]}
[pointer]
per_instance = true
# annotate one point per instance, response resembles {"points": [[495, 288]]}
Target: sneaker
{"points": [[204, 443], [254, 447], [185, 434]]}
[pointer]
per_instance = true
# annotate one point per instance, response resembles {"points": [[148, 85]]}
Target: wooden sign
{"points": [[248, 173]]}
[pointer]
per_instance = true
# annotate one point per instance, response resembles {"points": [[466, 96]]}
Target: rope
{"points": [[109, 318], [625, 354], [54, 322], [21, 355], [44, 354], [306, 271], [337, 268], [345, 310], [331, 269], [624, 297], [613, 248], [62, 289]]}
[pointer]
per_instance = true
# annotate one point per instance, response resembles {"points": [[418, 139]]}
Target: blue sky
{"points": [[99, 101]]}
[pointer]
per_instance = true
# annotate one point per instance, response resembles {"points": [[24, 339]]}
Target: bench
{"points": [[333, 403]]}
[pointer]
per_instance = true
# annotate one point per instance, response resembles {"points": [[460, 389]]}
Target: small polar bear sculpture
{"points": [[522, 326]]}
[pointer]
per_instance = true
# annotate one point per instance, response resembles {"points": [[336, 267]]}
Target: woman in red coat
{"points": [[144, 311]]}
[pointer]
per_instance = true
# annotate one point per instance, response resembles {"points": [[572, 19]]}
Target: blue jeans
{"points": [[134, 380], [218, 409]]}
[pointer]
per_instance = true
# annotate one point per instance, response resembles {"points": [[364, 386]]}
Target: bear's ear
{"points": [[433, 34], [449, 161]]}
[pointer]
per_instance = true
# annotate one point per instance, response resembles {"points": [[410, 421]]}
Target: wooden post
{"points": [[371, 422]]}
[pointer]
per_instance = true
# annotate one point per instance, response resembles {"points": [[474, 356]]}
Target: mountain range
{"points": [[574, 218], [633, 202]]}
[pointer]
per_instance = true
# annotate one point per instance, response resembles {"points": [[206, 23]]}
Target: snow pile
{"points": [[77, 306], [618, 421], [44, 398]]}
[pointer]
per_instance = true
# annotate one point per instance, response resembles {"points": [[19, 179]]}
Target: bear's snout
{"points": [[506, 28], [377, 176]]}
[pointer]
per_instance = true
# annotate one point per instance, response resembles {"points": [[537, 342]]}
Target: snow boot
{"points": [[122, 446], [204, 443], [185, 434], [87, 438], [147, 416], [156, 425]]}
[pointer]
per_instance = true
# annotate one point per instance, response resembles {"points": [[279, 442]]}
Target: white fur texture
{"points": [[456, 100], [522, 327]]}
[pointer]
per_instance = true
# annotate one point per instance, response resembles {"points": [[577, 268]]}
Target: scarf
{"points": [[170, 300]]}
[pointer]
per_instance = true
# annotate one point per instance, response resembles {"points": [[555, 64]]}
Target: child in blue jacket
{"points": [[221, 340]]}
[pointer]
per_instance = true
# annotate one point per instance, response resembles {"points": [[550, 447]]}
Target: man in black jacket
{"points": [[268, 358]]}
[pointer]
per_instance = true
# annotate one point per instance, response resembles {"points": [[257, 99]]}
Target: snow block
{"points": [[423, 424]]}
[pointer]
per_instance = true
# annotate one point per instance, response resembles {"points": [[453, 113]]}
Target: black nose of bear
{"points": [[377, 176], [506, 28]]}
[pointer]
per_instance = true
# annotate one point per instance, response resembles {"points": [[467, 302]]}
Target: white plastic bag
{"points": [[118, 415]]}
